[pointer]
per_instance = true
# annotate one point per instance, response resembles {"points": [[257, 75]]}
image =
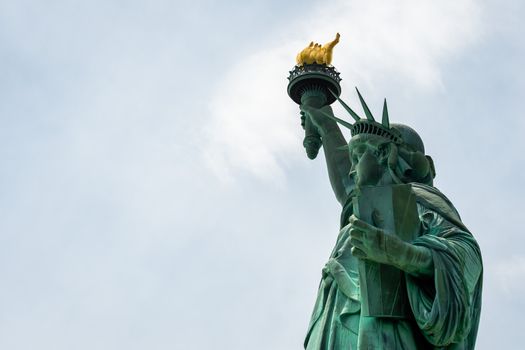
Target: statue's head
{"points": [[384, 153], [369, 158], [379, 159]]}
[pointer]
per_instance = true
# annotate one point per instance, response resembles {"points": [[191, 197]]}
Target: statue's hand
{"points": [[303, 119], [321, 122], [372, 243]]}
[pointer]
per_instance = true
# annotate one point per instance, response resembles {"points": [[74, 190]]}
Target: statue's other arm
{"points": [[372, 243]]}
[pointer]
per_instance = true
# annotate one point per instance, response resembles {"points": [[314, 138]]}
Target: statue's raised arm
{"points": [[314, 85], [335, 148]]}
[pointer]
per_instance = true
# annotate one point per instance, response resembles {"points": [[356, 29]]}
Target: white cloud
{"points": [[404, 44], [253, 119], [508, 274]]}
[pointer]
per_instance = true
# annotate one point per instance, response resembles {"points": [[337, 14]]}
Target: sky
{"points": [[154, 191]]}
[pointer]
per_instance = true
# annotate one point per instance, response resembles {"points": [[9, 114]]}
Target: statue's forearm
{"points": [[373, 243], [337, 161], [417, 261], [334, 144]]}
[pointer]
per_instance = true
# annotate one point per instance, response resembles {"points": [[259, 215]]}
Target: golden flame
{"points": [[315, 53]]}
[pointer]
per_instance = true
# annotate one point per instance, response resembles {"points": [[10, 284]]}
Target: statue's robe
{"points": [[445, 308]]}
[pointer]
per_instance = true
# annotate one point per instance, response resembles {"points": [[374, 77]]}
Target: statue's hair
{"points": [[406, 165]]}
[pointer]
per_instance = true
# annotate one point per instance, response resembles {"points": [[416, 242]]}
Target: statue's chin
{"points": [[378, 180], [366, 182]]}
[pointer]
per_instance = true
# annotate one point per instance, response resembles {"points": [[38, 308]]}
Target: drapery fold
{"points": [[445, 307], [448, 311]]}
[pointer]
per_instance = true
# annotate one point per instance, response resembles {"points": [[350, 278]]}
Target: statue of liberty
{"points": [[405, 272]]}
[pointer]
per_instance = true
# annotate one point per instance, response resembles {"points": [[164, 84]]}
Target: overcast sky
{"points": [[154, 191]]}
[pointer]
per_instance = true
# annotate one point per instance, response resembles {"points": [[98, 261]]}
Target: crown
{"points": [[369, 125]]}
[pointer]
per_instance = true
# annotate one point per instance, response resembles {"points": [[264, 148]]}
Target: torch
{"points": [[314, 82]]}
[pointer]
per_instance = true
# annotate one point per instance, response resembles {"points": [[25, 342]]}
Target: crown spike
{"points": [[369, 115], [347, 107], [386, 121]]}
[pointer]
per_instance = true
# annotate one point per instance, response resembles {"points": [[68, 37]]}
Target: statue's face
{"points": [[368, 154]]}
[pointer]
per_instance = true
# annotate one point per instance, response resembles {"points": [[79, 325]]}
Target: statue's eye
{"points": [[382, 150]]}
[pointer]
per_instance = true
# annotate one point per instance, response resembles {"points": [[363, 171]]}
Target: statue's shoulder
{"points": [[432, 198]]}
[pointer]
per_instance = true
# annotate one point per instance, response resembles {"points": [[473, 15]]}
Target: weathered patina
{"points": [[405, 272]]}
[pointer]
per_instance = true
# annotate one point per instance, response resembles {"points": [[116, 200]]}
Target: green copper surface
{"points": [[405, 272]]}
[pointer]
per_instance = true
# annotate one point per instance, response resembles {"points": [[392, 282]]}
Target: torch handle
{"points": [[312, 140]]}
